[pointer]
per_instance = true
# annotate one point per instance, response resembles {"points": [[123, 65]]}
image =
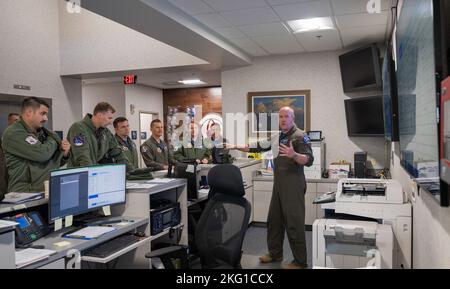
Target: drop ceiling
{"points": [[259, 26]]}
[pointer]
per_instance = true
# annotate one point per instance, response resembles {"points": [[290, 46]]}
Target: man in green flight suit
{"points": [[32, 151], [156, 153], [122, 128], [194, 150], [287, 205], [92, 142]]}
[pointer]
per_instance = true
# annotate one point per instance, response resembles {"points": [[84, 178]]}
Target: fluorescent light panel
{"points": [[191, 82], [312, 24]]}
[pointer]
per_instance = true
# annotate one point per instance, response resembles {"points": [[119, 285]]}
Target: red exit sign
{"points": [[130, 79]]}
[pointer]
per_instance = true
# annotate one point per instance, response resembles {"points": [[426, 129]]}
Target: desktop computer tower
{"points": [[360, 164]]}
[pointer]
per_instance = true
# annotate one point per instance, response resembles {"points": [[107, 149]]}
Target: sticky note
{"points": [[62, 244], [68, 221], [190, 169], [107, 210], [58, 224]]}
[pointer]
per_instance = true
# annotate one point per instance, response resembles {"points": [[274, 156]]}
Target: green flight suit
{"points": [[287, 205], [157, 155], [193, 151], [30, 157], [90, 145], [130, 152]]}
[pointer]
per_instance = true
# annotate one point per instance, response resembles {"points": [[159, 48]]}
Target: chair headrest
{"points": [[226, 179]]}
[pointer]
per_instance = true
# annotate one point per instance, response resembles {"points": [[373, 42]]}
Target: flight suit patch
{"points": [[144, 149], [306, 139], [124, 148], [79, 140], [31, 140], [159, 150]]}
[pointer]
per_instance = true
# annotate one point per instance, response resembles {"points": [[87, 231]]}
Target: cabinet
{"points": [[262, 192], [138, 204]]}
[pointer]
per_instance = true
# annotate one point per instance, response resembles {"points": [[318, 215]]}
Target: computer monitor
{"points": [[80, 190], [192, 186]]}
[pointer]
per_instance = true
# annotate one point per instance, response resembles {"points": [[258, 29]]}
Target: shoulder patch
{"points": [[31, 140], [306, 139], [79, 140], [144, 148]]}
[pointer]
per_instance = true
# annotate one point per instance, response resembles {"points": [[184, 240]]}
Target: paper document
{"points": [[160, 181], [91, 232], [190, 169], [30, 256], [7, 224], [17, 198], [203, 193], [136, 186]]}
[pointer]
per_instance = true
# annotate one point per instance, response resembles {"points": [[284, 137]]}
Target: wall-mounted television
{"points": [[390, 97], [360, 69], [365, 116]]}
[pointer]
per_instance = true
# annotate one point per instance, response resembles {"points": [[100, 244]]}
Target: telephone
{"points": [[31, 227]]}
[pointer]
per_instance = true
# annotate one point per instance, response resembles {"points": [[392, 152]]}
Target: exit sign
{"points": [[130, 79]]}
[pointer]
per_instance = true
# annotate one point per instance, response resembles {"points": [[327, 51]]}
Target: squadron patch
{"points": [[124, 148], [79, 140], [144, 149], [306, 139], [159, 150], [31, 140]]}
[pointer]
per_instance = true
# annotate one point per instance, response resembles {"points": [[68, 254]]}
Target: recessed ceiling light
{"points": [[312, 24], [191, 82]]}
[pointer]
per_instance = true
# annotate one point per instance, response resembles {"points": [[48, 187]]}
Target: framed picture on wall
{"points": [[262, 104]]}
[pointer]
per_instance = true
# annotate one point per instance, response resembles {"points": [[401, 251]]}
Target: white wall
{"points": [[30, 55], [91, 43], [318, 72], [145, 99]]}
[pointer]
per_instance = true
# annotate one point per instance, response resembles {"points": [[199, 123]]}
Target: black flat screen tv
{"points": [[390, 97], [365, 116], [360, 69]]}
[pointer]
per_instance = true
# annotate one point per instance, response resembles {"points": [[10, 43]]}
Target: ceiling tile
{"points": [[284, 2], [264, 29], [230, 32], [213, 20], [363, 35], [255, 51], [357, 20], [192, 6], [277, 44], [250, 16], [329, 40], [318, 8], [230, 5], [343, 7], [242, 42]]}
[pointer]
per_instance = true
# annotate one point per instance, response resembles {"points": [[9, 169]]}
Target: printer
{"points": [[380, 200]]}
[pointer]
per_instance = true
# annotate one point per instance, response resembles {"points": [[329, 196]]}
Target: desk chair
{"points": [[222, 226]]}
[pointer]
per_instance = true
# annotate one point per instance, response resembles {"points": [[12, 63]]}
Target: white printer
{"points": [[379, 199]]}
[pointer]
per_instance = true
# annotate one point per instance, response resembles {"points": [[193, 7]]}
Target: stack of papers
{"points": [[30, 256], [160, 181], [18, 198], [136, 186], [91, 232]]}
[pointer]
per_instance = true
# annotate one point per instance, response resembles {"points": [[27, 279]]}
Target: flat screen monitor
{"points": [[365, 116], [80, 190], [360, 69], [390, 97]]}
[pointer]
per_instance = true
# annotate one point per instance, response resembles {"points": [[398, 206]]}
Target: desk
{"points": [[80, 245], [8, 208], [138, 204]]}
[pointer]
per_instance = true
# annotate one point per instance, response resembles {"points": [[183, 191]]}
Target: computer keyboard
{"points": [[106, 249]]}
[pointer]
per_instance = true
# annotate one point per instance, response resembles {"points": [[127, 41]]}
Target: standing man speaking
{"points": [[287, 205]]}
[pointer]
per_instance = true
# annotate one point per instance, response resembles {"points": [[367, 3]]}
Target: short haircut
{"points": [[155, 121], [34, 103], [13, 114], [103, 107], [119, 120]]}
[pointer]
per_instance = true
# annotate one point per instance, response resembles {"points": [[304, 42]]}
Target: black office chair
{"points": [[222, 226]]}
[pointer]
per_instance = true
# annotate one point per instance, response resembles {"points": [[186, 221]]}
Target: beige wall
{"points": [[30, 55]]}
